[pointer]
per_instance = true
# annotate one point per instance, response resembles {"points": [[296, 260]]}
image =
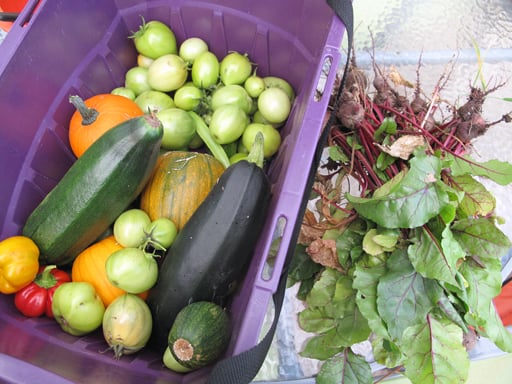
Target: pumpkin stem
{"points": [[89, 115], [256, 154]]}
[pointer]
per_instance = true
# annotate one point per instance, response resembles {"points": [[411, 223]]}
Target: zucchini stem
{"points": [[215, 148], [89, 115], [256, 154]]}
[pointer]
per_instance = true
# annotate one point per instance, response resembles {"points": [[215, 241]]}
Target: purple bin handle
{"points": [[289, 201]]}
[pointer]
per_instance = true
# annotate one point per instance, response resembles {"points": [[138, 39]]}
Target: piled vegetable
{"points": [[152, 228], [403, 247]]}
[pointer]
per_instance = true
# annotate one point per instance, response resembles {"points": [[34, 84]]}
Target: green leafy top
{"points": [[417, 250]]}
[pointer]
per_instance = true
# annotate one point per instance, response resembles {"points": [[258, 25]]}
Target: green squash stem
{"points": [[215, 148], [256, 154]]}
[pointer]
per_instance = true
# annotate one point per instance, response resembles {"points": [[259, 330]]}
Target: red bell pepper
{"points": [[36, 298]]}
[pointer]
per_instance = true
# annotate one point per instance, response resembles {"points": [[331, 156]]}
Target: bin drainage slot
{"points": [[320, 86], [277, 236], [31, 9]]}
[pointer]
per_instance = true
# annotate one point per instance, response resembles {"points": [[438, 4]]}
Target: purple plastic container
{"points": [[67, 47]]}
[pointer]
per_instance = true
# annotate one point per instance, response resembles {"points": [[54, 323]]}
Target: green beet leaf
{"points": [[335, 154], [403, 299], [435, 354], [344, 299], [386, 352], [410, 202], [477, 200], [301, 266], [346, 368], [481, 238], [387, 238], [332, 313], [323, 289], [302, 269], [349, 246], [448, 308], [435, 258], [496, 331], [483, 285], [498, 171], [370, 246], [352, 328], [365, 282], [316, 320], [388, 126], [323, 346]]}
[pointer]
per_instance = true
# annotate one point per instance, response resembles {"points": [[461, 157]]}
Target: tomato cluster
{"points": [[192, 92], [172, 80], [134, 268]]}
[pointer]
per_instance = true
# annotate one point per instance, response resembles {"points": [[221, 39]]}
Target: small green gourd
{"points": [[199, 335]]}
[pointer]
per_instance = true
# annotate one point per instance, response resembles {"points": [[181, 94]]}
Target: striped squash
{"points": [[180, 182]]}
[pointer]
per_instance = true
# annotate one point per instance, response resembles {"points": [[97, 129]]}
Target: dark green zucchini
{"points": [[95, 190], [211, 253], [199, 335]]}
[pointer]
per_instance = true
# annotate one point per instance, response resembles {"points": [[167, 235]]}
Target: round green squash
{"points": [[180, 182], [200, 334]]}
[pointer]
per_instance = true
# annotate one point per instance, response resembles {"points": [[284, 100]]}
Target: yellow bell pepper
{"points": [[19, 263]]}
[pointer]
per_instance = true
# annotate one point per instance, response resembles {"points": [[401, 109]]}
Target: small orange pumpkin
{"points": [[179, 184], [89, 266], [95, 116]]}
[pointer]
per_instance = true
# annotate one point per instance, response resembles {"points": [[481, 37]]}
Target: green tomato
{"points": [[154, 101], [278, 82], [123, 91], [77, 308], [237, 157], [196, 142], [127, 324], [230, 148], [274, 105], [129, 227], [235, 68], [144, 61], [167, 73], [179, 128], [241, 147], [257, 117], [154, 39], [205, 70], [191, 48], [254, 85], [271, 138], [136, 79], [227, 124], [161, 233], [188, 97], [132, 270], [232, 95]]}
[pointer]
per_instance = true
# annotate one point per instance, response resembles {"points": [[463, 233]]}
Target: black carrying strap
{"points": [[242, 368], [8, 16]]}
